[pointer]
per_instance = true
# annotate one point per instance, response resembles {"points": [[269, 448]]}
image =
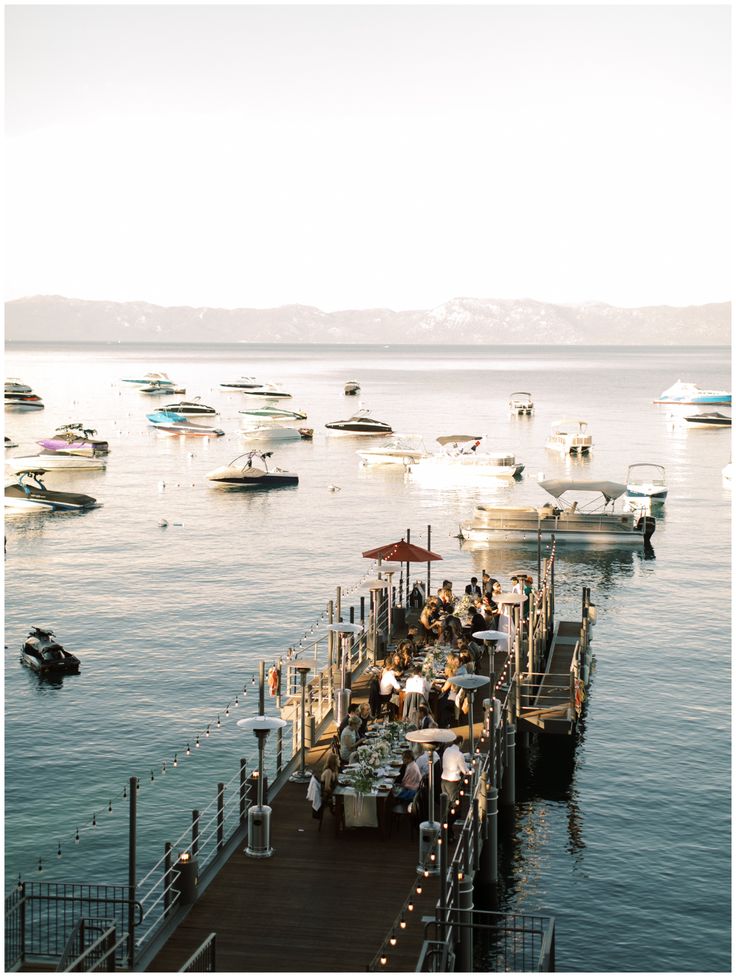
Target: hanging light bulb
{"points": [[125, 791], [410, 906], [196, 743], [163, 767], [207, 731], [393, 939], [402, 921], [227, 713], [76, 837], [109, 806], [418, 888], [58, 850], [236, 702], [383, 959], [176, 760], [94, 820], [40, 865], [152, 777], [189, 752], [218, 721]]}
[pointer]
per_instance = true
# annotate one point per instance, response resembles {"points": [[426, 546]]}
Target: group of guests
{"points": [[446, 618]]}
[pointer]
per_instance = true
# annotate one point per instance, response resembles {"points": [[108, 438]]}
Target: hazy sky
{"points": [[356, 156]]}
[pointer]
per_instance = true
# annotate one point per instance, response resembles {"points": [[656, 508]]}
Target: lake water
{"points": [[627, 845]]}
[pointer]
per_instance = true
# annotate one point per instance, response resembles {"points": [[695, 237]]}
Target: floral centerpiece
{"points": [[434, 663], [369, 759]]}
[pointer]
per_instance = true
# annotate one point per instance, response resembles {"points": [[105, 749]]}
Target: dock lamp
{"points": [[342, 694], [376, 587], [429, 830], [259, 817], [302, 775], [470, 683]]}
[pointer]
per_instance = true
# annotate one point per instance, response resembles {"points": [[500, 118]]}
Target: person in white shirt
{"points": [[422, 762], [349, 738], [454, 768], [418, 683], [388, 686]]}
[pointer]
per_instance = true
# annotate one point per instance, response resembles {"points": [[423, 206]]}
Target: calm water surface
{"points": [[627, 843]]}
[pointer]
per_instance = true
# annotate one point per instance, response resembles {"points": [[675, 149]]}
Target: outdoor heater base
{"points": [[428, 833], [259, 832]]}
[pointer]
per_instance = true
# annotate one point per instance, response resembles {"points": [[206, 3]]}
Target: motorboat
{"points": [[689, 393], [646, 482], [241, 383], [158, 387], [55, 460], [22, 401], [360, 423], [569, 436], [171, 422], [595, 521], [709, 419], [273, 413], [306, 433], [29, 492], [520, 402], [191, 408], [75, 439], [9, 443], [268, 431], [396, 451], [246, 472], [268, 391], [352, 387], [43, 653], [15, 386], [150, 378], [463, 456]]}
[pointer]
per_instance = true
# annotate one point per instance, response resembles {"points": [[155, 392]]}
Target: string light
{"points": [[418, 888], [218, 720], [207, 731], [94, 820], [227, 713], [163, 767], [58, 850], [393, 939], [152, 777], [196, 743], [109, 806], [125, 791], [236, 702], [402, 921], [40, 865], [176, 760], [76, 837], [383, 959], [410, 906]]}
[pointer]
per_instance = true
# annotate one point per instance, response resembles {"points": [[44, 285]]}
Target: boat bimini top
{"points": [[458, 438], [558, 486]]}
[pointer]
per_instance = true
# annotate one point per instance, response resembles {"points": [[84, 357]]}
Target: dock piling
{"points": [[132, 834]]}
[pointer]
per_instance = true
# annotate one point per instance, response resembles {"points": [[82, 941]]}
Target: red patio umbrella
{"points": [[403, 552]]}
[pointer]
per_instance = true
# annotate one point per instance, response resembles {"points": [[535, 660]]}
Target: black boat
{"points": [[242, 472], [190, 408], [43, 653], [712, 418], [360, 423], [29, 492]]}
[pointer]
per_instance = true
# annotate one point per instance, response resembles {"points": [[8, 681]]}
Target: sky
{"points": [[368, 156]]}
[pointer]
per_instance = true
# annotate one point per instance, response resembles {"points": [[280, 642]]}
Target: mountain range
{"points": [[460, 321]]}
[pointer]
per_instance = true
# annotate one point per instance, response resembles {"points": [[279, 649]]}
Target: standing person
{"points": [[454, 768], [515, 585], [474, 588]]}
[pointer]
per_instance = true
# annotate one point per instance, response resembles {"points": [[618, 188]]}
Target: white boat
{"points": [[240, 383], [646, 482], [463, 456], [268, 391], [712, 418], [689, 393], [169, 422], [396, 451], [190, 408], [352, 387], [360, 423], [595, 521], [159, 378], [270, 432], [9, 443], [22, 401], [273, 413], [520, 402], [158, 387], [53, 460], [569, 436], [251, 471], [15, 386]]}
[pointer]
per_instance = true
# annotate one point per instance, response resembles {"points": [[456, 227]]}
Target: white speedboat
{"points": [[268, 391], [156, 377], [170, 422], [55, 460], [689, 393], [401, 451], [30, 492], [595, 521], [712, 418], [352, 387], [570, 437], [15, 386], [251, 471], [9, 443], [360, 423], [268, 431], [241, 383], [463, 456], [646, 482], [520, 402], [190, 408], [273, 413], [22, 401], [158, 388]]}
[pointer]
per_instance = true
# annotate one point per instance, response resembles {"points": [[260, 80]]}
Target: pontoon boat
{"points": [[569, 436]]}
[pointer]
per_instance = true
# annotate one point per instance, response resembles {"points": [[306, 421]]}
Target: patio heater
{"points": [[470, 683], [342, 693], [429, 830], [376, 587], [302, 775], [259, 817]]}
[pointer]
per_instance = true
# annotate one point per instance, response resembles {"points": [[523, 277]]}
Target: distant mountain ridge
{"points": [[461, 321]]}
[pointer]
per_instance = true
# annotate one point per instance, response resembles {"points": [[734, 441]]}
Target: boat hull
{"points": [[714, 400], [56, 461], [16, 498], [401, 458], [267, 481], [602, 537], [357, 429]]}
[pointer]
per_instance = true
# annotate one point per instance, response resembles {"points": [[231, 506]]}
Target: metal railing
{"points": [[81, 955], [203, 960], [502, 943]]}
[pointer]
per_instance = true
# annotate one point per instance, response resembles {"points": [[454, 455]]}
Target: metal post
{"points": [[429, 564], [132, 828], [330, 646], [167, 877], [338, 605], [488, 862], [408, 539], [465, 921], [261, 688], [195, 832], [243, 778], [279, 749], [539, 556], [444, 854], [352, 615], [220, 815], [508, 786]]}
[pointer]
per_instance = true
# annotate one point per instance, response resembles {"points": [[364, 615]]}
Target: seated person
{"points": [[349, 739], [430, 620], [411, 778], [426, 719], [422, 762], [352, 711], [364, 714], [416, 682], [328, 780], [389, 686]]}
